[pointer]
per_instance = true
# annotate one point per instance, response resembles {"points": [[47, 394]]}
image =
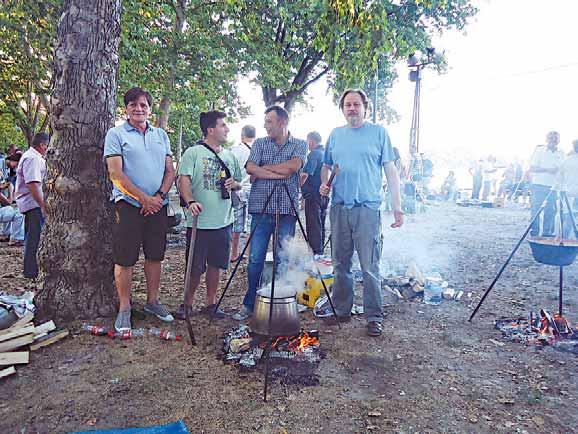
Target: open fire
{"points": [[542, 329], [247, 348]]}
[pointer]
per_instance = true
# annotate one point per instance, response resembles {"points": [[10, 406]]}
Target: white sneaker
{"points": [[158, 310]]}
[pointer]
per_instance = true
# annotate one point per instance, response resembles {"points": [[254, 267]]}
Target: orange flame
{"points": [[296, 343]]}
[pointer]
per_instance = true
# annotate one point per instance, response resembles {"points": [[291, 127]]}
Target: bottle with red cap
{"points": [[94, 329], [165, 335], [127, 334]]}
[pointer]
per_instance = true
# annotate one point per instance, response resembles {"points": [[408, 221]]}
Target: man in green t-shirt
{"points": [[206, 187]]}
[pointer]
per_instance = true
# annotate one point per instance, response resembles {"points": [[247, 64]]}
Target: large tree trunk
{"points": [[165, 105], [75, 253]]}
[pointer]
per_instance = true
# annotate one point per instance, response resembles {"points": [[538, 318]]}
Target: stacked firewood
{"points": [[23, 336]]}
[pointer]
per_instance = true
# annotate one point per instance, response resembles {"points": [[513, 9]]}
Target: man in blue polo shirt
{"points": [[362, 151], [140, 166]]}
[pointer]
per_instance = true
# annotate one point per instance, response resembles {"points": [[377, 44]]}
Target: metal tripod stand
{"points": [[562, 199], [278, 188]]}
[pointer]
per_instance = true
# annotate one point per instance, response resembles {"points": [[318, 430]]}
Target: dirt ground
{"points": [[431, 371]]}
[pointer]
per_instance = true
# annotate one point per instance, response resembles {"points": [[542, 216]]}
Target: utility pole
{"points": [[375, 88], [375, 83], [415, 172]]}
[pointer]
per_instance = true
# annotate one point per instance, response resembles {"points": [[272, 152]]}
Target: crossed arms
{"points": [[274, 171]]}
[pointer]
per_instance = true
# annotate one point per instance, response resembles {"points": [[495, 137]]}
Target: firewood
{"points": [[14, 358], [8, 371], [12, 344], [28, 317], [49, 339], [14, 333], [45, 328]]}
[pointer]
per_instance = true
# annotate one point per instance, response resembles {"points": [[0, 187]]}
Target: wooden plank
{"points": [[28, 317], [49, 339], [8, 371], [41, 335], [16, 343], [14, 358], [14, 333], [45, 328]]}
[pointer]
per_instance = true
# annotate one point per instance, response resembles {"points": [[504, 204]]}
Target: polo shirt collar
{"points": [[34, 151], [129, 127]]}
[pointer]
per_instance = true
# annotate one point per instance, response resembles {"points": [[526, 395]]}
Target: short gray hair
{"points": [[315, 136], [249, 131]]}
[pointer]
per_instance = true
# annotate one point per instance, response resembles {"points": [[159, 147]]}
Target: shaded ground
{"points": [[431, 371]]}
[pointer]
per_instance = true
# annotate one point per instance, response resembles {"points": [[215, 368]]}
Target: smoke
{"points": [[418, 241], [294, 259]]}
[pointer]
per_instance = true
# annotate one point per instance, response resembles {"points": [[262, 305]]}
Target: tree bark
{"points": [[165, 105], [75, 253]]}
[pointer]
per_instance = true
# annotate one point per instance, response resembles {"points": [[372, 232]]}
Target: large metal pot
{"points": [[285, 321], [554, 251]]}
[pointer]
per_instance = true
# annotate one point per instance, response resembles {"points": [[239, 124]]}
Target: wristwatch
{"points": [[162, 195], [190, 202]]}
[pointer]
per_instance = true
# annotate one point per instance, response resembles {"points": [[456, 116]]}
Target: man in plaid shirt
{"points": [[274, 160]]}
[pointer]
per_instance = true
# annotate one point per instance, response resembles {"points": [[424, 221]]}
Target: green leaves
{"points": [[27, 34], [190, 53], [291, 44]]}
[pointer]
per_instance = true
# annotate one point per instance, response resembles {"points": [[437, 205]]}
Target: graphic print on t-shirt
{"points": [[211, 174]]}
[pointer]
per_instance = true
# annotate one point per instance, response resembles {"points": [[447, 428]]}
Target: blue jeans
{"points": [[259, 242], [568, 226], [539, 194], [13, 223]]}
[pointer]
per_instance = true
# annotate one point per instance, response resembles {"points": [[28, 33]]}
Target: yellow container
{"points": [[313, 290]]}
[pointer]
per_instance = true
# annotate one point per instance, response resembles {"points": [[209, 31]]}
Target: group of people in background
{"points": [[262, 178], [550, 171]]}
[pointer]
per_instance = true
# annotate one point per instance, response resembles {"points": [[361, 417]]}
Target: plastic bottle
{"points": [[224, 192], [432, 293], [165, 335], [94, 329], [128, 334]]}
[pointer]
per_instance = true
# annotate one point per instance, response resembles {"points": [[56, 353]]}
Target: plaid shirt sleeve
{"points": [[300, 151], [256, 152]]}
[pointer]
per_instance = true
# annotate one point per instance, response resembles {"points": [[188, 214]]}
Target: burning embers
{"points": [[247, 348], [543, 329]]}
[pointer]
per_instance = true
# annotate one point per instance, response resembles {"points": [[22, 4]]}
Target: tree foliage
{"points": [[27, 32], [292, 44], [179, 51]]}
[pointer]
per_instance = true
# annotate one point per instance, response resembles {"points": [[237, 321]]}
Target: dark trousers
{"points": [[33, 222], [315, 223]]}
